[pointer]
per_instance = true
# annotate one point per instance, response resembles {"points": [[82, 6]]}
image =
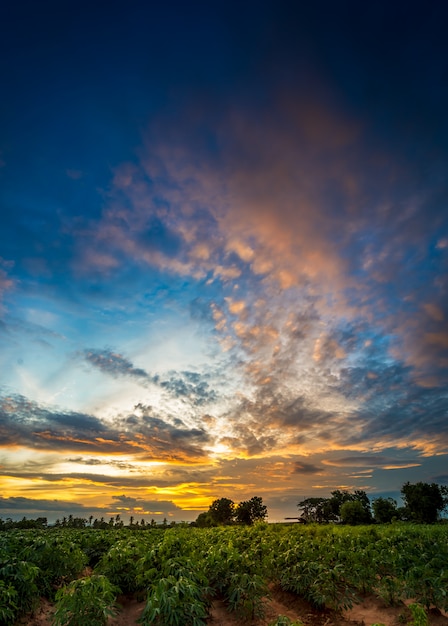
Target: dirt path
{"points": [[370, 611]]}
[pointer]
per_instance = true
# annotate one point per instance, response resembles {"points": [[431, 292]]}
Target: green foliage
{"points": [[176, 601], [222, 511], [329, 565], [324, 510], [8, 603], [385, 510], [251, 511], [245, 594], [354, 513], [95, 543], [205, 520], [22, 576], [89, 601], [283, 620], [120, 563], [391, 590], [419, 615], [316, 510], [58, 557], [424, 501]]}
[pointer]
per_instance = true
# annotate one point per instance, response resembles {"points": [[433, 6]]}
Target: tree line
{"points": [[422, 503], [224, 511]]}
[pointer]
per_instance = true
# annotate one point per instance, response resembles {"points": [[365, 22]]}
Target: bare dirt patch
{"points": [[370, 611]]}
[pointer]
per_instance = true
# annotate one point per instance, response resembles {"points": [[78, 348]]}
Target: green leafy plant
{"points": [[22, 576], [419, 615], [391, 590], [85, 601], [119, 564], [245, 594], [176, 602], [8, 604], [59, 559]]}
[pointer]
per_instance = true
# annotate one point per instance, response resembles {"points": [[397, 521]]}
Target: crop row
{"points": [[178, 571]]}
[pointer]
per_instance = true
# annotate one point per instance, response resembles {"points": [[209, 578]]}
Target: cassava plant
{"points": [[85, 601]]}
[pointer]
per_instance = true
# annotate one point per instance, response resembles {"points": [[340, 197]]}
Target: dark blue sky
{"points": [[223, 252]]}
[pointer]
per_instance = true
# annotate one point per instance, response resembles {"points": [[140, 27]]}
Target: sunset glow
{"points": [[223, 256]]}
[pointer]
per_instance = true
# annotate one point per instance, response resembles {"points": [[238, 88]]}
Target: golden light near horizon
{"points": [[221, 278]]}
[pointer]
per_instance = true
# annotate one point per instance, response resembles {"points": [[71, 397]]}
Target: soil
{"points": [[370, 611]]}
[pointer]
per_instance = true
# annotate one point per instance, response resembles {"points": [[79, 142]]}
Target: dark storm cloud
{"points": [[113, 364], [28, 423]]}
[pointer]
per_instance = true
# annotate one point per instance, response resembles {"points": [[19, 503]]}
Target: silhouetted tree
{"points": [[251, 511], [222, 511], [424, 501], [316, 510]]}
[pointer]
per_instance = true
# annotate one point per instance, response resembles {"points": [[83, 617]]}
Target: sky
{"points": [[223, 254]]}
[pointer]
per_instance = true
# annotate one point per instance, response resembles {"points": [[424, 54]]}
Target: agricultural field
{"points": [[265, 574]]}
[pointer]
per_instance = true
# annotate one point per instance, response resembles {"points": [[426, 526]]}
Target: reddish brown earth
{"points": [[370, 611]]}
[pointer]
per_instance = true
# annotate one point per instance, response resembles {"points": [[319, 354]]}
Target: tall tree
{"points": [[340, 497], [384, 510], [316, 510], [222, 511], [423, 501], [251, 511], [353, 512]]}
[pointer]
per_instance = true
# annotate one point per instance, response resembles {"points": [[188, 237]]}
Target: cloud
{"points": [[279, 220], [30, 505], [327, 298], [371, 461], [17, 507], [144, 507], [192, 387], [301, 467], [113, 364], [189, 385], [26, 423]]}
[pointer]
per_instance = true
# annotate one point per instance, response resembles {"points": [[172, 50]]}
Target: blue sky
{"points": [[223, 254]]}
